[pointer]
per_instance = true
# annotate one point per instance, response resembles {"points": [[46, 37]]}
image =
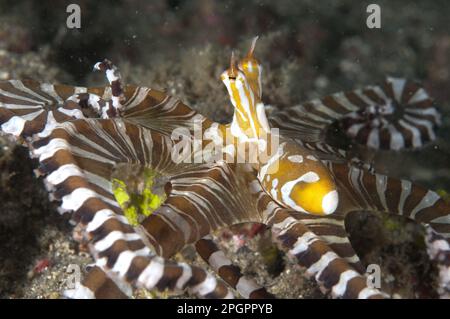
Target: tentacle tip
{"points": [[233, 69], [252, 47], [103, 65], [97, 66], [38, 173]]}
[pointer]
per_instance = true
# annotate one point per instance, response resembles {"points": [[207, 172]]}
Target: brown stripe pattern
{"points": [[333, 273], [364, 190], [230, 273], [28, 107], [114, 78], [319, 244], [98, 285], [78, 153], [398, 114], [201, 200], [78, 158]]}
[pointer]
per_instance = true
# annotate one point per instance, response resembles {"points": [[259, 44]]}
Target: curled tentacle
{"points": [[397, 115], [93, 101], [115, 81]]}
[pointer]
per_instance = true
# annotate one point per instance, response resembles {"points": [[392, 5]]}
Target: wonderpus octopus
{"points": [[278, 170]]}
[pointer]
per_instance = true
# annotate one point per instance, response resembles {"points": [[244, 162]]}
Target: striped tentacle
{"points": [[325, 151], [332, 272], [91, 148], [396, 115], [331, 228], [29, 107], [94, 102], [97, 285], [308, 121], [115, 81], [146, 107], [329, 231], [332, 231], [156, 110], [369, 191], [78, 158], [439, 251], [141, 106], [200, 201], [203, 199], [149, 273], [230, 273]]}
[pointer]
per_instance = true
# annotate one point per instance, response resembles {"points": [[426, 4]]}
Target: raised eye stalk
{"points": [[252, 69], [252, 48], [232, 71]]}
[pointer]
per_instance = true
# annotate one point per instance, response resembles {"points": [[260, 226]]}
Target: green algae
{"points": [[135, 205]]}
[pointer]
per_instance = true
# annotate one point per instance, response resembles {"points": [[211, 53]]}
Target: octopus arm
{"points": [[158, 111], [399, 114], [333, 273], [319, 244], [370, 191], [78, 158], [229, 272]]}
